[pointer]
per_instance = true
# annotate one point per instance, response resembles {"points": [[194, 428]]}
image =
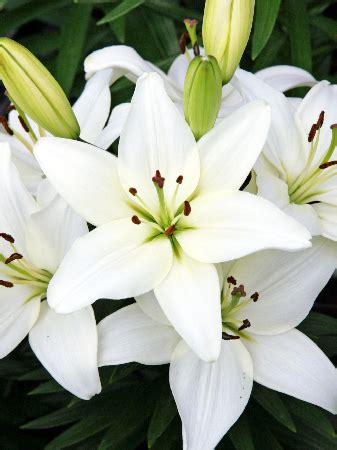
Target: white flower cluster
{"points": [[222, 275]]}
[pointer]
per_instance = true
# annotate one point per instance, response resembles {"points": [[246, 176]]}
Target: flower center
{"points": [[16, 270], [310, 182], [233, 300]]}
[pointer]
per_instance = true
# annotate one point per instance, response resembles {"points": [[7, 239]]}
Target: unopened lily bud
{"points": [[34, 91], [226, 29], [202, 94]]}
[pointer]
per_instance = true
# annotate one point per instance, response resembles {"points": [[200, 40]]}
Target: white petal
{"points": [[15, 326], [286, 144], [117, 260], [156, 137], [287, 283], [148, 303], [16, 204], [66, 345], [229, 151], [178, 69], [51, 232], [286, 77], [130, 335], [85, 176], [291, 363], [307, 216], [327, 214], [114, 127], [210, 396], [46, 193], [190, 298], [93, 106], [227, 225]]}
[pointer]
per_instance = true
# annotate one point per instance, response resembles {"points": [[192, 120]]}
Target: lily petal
{"points": [[114, 127], [291, 363], [148, 303], [117, 260], [66, 346], [130, 335], [283, 77], [210, 396], [327, 214], [230, 224], [190, 298], [85, 176]]}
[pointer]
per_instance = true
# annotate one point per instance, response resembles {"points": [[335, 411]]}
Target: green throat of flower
{"points": [[310, 182], [16, 270]]}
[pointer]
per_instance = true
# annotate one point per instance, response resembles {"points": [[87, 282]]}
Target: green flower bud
{"points": [[34, 91], [202, 94], [226, 29]]}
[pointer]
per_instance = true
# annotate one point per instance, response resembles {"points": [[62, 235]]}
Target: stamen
{"points": [[158, 179], [320, 120], [184, 38], [170, 230], [23, 124], [187, 208], [196, 49], [229, 337], [136, 220], [240, 291], [245, 324], [334, 125], [231, 280], [13, 257], [10, 108], [179, 180], [6, 284], [4, 123], [7, 237], [327, 164], [255, 296], [312, 132], [133, 191]]}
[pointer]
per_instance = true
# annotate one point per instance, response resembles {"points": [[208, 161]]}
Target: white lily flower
{"points": [[92, 112], [165, 210], [297, 170], [33, 240], [272, 295]]}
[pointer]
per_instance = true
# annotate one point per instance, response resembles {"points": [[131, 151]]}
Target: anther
{"points": [[136, 220], [179, 180], [245, 324], [187, 208], [184, 38], [334, 125], [231, 280], [196, 49], [7, 237], [133, 191], [312, 132], [255, 296], [320, 120], [240, 290], [170, 230], [6, 284], [10, 108], [23, 124], [4, 123], [229, 337], [327, 164], [13, 257]]}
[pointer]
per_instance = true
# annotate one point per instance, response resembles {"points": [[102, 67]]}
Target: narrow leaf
{"points": [[240, 435], [266, 12], [164, 412], [169, 9], [119, 11]]}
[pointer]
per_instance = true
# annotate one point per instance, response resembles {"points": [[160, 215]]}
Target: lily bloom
{"points": [[165, 210], [263, 298], [297, 170], [34, 237]]}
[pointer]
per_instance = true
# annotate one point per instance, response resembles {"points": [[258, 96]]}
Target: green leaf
{"points": [[119, 11], [2, 3], [72, 45], [49, 387], [272, 403], [164, 412], [326, 25], [266, 12], [55, 419], [169, 9], [240, 435], [317, 325], [163, 33]]}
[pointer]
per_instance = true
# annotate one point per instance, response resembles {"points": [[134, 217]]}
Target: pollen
{"points": [[245, 324], [179, 180], [6, 284], [7, 237], [231, 280], [255, 296], [229, 337], [187, 208], [136, 220], [23, 124], [13, 257], [133, 191]]}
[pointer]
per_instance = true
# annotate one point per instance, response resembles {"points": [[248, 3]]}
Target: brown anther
{"points": [[312, 132], [179, 180], [196, 49], [133, 191], [245, 324], [10, 108], [170, 230], [255, 296], [6, 284], [136, 220], [13, 257], [231, 280], [229, 337], [320, 120], [334, 125], [240, 290], [4, 123], [23, 123], [7, 237], [187, 208], [327, 164], [184, 38]]}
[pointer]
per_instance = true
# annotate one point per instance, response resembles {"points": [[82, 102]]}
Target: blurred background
{"points": [[136, 409]]}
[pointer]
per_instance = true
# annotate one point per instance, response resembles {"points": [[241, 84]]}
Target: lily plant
{"points": [[298, 168], [166, 210], [263, 298], [34, 237]]}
